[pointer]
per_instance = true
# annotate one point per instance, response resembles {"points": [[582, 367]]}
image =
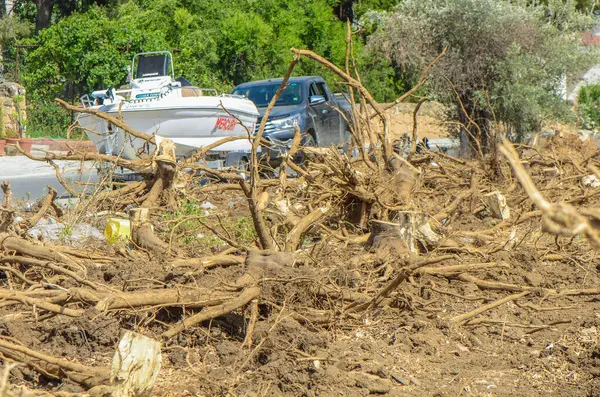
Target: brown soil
{"points": [[412, 349], [408, 349], [546, 344]]}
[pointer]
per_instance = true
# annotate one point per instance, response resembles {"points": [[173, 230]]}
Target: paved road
{"points": [[29, 176]]}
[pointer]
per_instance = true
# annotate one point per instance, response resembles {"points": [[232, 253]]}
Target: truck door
{"points": [[325, 116], [337, 124]]}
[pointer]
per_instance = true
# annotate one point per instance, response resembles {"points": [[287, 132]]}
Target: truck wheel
{"points": [[300, 157]]}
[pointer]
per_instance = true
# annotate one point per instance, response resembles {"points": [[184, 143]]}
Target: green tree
{"points": [[85, 52], [11, 29], [215, 44], [588, 105], [504, 61], [222, 41], [79, 54], [42, 13]]}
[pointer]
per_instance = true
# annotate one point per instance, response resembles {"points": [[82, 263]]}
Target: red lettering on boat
{"points": [[225, 124]]}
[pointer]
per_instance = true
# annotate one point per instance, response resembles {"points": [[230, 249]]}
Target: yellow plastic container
{"points": [[117, 229]]}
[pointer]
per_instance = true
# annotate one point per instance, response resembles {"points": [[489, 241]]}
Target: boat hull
{"points": [[190, 124]]}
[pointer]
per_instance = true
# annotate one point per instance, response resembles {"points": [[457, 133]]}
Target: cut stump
{"points": [[496, 203], [142, 231]]}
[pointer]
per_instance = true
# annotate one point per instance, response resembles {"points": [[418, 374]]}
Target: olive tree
{"points": [[505, 61]]}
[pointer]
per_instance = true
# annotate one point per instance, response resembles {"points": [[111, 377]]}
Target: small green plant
{"points": [[588, 106], [206, 241], [65, 234], [186, 224], [243, 229], [187, 208], [189, 229]]}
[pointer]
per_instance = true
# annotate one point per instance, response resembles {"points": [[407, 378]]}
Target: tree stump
{"points": [[404, 177], [264, 263], [7, 218], [411, 231], [7, 195], [142, 231], [165, 169]]}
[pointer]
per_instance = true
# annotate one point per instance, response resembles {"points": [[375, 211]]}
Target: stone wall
{"points": [[12, 109]]}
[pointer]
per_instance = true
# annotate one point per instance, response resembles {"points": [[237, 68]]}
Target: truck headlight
{"points": [[286, 123]]}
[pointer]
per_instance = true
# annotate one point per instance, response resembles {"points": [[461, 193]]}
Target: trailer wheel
{"points": [[244, 167]]}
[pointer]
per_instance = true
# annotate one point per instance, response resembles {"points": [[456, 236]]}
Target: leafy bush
{"points": [[588, 106], [46, 119], [79, 54], [215, 44]]}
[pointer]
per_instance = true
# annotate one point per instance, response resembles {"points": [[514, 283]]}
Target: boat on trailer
{"points": [[167, 108]]}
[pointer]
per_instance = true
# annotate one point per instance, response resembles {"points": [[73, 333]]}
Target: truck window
{"points": [[261, 94], [322, 91], [318, 89]]}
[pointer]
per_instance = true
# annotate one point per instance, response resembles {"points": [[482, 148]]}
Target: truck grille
{"points": [[269, 127]]}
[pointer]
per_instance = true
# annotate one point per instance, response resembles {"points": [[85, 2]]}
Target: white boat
{"points": [[159, 105]]}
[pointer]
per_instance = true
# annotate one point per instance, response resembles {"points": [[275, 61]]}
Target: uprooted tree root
{"points": [[345, 243]]}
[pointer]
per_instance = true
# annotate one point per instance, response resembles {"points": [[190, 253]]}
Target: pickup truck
{"points": [[307, 102]]}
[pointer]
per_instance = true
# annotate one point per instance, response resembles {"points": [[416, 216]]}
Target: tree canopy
{"points": [[505, 61], [217, 43], [83, 52]]}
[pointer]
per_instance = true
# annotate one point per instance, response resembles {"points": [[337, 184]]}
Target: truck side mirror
{"points": [[316, 99]]}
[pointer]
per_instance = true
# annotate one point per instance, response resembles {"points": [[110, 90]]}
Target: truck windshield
{"points": [[262, 94]]}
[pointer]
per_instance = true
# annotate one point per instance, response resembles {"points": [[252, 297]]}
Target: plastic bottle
{"points": [[117, 229]]}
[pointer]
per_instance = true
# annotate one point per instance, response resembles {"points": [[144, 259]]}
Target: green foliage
{"points": [[85, 52], [65, 234], [366, 6], [225, 43], [79, 54], [585, 6], [216, 44], [503, 55], [12, 28], [588, 106], [525, 94], [243, 230], [187, 225], [187, 221], [219, 44], [46, 119], [382, 80], [504, 60]]}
